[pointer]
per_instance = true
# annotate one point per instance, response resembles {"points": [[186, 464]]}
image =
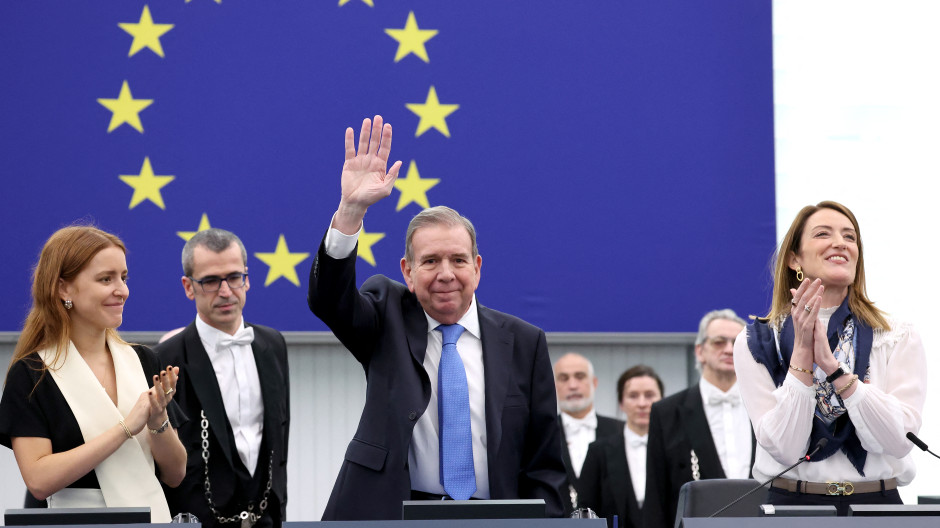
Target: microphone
{"points": [[920, 443], [820, 444]]}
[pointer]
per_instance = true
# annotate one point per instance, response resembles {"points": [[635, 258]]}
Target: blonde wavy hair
{"points": [[785, 278]]}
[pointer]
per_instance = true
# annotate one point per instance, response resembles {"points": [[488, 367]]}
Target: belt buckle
{"points": [[840, 488]]}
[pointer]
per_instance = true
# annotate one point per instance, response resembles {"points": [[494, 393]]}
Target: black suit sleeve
{"points": [[333, 297], [283, 350], [543, 473], [656, 503]]}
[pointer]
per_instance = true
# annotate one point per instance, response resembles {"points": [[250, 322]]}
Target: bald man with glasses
{"points": [[235, 391]]}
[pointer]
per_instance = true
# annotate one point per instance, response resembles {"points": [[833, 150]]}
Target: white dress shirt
{"points": [[636, 460], [424, 453], [882, 409], [730, 427], [237, 374], [579, 433]]}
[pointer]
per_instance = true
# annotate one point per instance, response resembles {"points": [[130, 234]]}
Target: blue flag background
{"points": [[615, 156]]}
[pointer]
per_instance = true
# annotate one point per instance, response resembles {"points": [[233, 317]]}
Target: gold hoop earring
{"points": [[799, 274], [68, 304]]}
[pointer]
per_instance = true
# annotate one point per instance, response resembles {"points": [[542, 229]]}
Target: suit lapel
{"points": [[198, 367], [271, 389], [608, 427], [416, 328], [565, 455], [618, 471], [693, 414], [497, 364]]}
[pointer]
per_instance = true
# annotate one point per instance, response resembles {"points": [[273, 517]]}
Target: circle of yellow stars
{"points": [[146, 184], [282, 263], [432, 114]]}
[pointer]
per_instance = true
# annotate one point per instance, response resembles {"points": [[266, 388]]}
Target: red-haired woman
{"points": [[85, 412]]}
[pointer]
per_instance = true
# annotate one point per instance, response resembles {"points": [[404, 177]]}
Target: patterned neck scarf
{"points": [[830, 407], [849, 338]]}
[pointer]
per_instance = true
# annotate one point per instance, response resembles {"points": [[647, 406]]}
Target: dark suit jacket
{"points": [[198, 390], [606, 486], [605, 427], [385, 328], [678, 425]]}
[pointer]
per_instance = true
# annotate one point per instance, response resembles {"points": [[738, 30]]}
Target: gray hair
{"points": [[215, 240], [727, 314], [440, 215], [581, 356]]}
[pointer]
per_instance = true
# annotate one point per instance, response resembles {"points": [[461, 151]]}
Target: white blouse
{"points": [[883, 412]]}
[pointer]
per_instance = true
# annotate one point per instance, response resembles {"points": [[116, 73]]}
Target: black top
{"points": [[34, 407]]}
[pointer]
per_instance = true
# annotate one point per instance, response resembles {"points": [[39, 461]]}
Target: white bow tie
{"points": [[573, 427], [638, 441], [242, 337], [718, 399]]}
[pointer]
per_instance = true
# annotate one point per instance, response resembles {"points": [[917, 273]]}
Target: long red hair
{"points": [[64, 256]]}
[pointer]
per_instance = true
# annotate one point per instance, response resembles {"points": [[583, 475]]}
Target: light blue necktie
{"points": [[453, 414]]}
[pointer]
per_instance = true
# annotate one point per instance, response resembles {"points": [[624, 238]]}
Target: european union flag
{"points": [[616, 156]]}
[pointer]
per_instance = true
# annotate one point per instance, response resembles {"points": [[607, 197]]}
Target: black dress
{"points": [[33, 406]]}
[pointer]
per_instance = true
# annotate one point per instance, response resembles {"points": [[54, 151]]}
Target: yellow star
{"points": [[366, 240], [282, 263], [125, 109], [146, 185], [146, 34], [432, 114], [414, 188], [366, 2], [411, 39], [203, 225]]}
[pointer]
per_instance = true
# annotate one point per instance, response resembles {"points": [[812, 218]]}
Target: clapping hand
{"points": [[808, 330]]}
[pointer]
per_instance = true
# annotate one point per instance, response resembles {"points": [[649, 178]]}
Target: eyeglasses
{"points": [[213, 284], [719, 341]]}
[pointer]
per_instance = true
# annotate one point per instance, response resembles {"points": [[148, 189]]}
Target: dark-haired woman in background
{"points": [[826, 363], [85, 412], [613, 476]]}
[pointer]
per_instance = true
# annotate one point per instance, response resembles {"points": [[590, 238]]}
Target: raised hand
{"points": [[822, 354], [804, 315], [140, 413], [807, 300], [365, 180], [159, 396]]}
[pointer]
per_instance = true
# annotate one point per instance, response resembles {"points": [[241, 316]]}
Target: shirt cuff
{"points": [[339, 245], [798, 386], [861, 391]]}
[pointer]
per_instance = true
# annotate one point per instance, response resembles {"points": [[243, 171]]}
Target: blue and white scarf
{"points": [[848, 336]]}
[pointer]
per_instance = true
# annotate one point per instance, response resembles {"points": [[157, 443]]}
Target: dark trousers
{"points": [[779, 497]]}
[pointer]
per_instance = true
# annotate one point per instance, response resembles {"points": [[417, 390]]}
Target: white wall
{"points": [[328, 392], [856, 112]]}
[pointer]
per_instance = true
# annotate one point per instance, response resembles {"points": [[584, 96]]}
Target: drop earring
{"points": [[799, 274], [68, 304]]}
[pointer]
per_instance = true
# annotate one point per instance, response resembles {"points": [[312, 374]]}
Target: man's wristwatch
{"points": [[836, 374]]}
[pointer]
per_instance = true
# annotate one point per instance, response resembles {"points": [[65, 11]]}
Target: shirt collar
{"points": [[209, 335], [707, 389], [632, 439], [572, 423], [470, 320]]}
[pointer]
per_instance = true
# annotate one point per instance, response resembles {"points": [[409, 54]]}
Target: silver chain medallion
{"points": [[248, 517]]}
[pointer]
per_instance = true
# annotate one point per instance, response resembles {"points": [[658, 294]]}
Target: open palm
{"points": [[365, 180]]}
